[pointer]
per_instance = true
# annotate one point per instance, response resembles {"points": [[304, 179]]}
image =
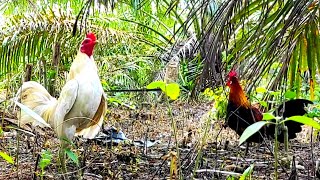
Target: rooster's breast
{"points": [[88, 100]]}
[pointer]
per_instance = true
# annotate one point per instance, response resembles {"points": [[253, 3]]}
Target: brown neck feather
{"points": [[237, 94]]}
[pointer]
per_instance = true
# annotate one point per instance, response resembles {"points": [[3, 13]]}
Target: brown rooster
{"points": [[241, 114]]}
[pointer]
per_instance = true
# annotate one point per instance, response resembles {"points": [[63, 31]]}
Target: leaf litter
{"points": [[149, 132]]}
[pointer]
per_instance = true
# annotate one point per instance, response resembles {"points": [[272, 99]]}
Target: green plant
{"points": [[73, 156], [220, 101], [247, 173], [45, 161], [6, 157], [203, 141], [124, 55], [1, 131], [172, 90], [263, 34], [267, 117], [190, 69], [67, 150]]}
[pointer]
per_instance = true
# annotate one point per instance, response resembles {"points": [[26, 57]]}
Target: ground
{"points": [[215, 153]]}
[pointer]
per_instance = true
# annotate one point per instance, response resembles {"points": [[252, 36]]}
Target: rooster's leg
{"points": [[247, 149]]}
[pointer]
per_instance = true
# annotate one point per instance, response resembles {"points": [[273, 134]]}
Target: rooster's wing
{"points": [[66, 101]]}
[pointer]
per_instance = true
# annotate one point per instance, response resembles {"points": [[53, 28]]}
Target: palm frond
{"points": [[253, 35]]}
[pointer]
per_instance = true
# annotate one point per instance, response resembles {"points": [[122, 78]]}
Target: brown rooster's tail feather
{"points": [[36, 97], [293, 107], [290, 108]]}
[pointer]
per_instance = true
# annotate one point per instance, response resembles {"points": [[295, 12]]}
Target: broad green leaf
{"points": [[44, 163], [6, 157], [268, 116], [263, 103], [72, 156], [275, 93], [247, 172], [157, 84], [290, 94], [172, 90], [305, 120], [253, 128], [261, 90], [46, 157], [33, 114]]}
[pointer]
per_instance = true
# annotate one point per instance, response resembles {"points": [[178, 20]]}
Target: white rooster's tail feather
{"points": [[92, 131], [36, 97]]}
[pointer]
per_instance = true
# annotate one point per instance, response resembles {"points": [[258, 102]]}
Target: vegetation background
{"points": [[273, 44]]}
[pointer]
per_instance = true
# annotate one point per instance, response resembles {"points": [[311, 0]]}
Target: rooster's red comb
{"points": [[91, 36], [232, 73]]}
